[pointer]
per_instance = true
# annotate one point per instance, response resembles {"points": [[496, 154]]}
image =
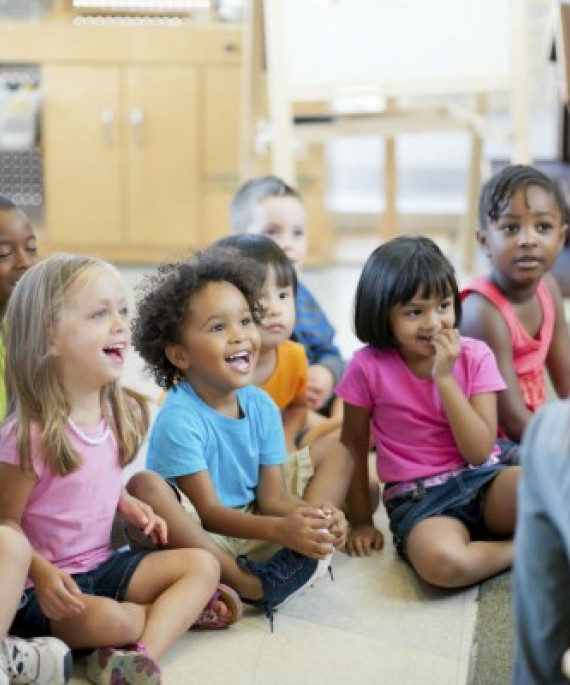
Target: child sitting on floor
{"points": [[432, 399], [70, 430], [218, 439], [517, 308]]}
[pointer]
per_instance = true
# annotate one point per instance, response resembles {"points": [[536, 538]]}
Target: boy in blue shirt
{"points": [[218, 440], [269, 206]]}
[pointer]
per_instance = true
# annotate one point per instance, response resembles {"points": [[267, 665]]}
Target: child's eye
{"points": [[413, 312], [5, 253], [100, 313], [509, 229], [299, 233], [246, 321], [445, 305], [544, 227], [217, 328], [124, 312], [284, 294], [271, 231]]}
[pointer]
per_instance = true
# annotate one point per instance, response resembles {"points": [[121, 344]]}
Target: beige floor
{"points": [[375, 623]]}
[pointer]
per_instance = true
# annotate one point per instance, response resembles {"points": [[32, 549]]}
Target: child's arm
{"points": [[286, 521], [140, 514], [483, 321], [473, 421], [558, 359], [355, 435], [58, 594]]}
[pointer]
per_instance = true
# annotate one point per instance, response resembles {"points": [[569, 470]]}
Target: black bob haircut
{"points": [[392, 275], [163, 299], [498, 190], [265, 252]]}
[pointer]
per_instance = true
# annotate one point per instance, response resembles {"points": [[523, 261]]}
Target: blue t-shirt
{"points": [[188, 436]]}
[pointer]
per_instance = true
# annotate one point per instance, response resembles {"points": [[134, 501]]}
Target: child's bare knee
{"points": [[147, 485], [444, 568]]}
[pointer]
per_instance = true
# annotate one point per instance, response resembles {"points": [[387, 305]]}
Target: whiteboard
{"points": [[422, 46]]}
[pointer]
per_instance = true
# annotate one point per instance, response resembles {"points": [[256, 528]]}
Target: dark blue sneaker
{"points": [[283, 575]]}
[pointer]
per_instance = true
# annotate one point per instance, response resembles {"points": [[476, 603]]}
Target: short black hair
{"points": [[391, 276], [163, 298], [265, 252], [499, 189]]}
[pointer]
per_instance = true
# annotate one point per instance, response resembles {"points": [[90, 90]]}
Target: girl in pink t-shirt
{"points": [[70, 430], [517, 308], [430, 398]]}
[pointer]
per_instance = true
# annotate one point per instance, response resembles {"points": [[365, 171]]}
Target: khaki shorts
{"points": [[298, 471]]}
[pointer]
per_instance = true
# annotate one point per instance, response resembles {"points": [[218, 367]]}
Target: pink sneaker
{"points": [[127, 666]]}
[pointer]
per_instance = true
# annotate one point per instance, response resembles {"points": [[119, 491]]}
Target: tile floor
{"points": [[375, 623]]}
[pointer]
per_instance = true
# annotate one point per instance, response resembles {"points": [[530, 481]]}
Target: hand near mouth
{"points": [[447, 347]]}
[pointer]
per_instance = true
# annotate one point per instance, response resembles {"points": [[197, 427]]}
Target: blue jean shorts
{"points": [[110, 579], [461, 498]]}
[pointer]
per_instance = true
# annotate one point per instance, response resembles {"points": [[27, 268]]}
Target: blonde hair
{"points": [[35, 392]]}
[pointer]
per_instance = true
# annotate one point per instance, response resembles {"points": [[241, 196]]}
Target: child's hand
{"points": [[447, 347], [140, 514], [363, 539], [320, 383], [337, 525], [58, 594], [306, 531]]}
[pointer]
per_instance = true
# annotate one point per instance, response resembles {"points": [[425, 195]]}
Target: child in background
{"points": [[541, 570], [432, 400], [218, 439], [517, 308], [281, 368], [44, 660], [269, 206], [18, 251], [70, 430]]}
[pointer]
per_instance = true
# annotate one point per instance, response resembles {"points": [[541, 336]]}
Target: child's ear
{"points": [[482, 240], [178, 356]]}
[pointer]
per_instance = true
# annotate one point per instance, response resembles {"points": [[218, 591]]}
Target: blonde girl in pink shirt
{"points": [[430, 397], [69, 431]]}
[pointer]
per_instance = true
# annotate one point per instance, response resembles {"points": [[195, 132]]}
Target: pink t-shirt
{"points": [[411, 431], [529, 354], [68, 518]]}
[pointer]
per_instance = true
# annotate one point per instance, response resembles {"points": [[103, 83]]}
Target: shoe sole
{"points": [[320, 572]]}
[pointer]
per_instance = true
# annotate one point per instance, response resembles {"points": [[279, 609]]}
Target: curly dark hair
{"points": [[163, 298], [498, 190]]}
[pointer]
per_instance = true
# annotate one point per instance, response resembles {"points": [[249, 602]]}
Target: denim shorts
{"points": [[461, 498], [110, 579]]}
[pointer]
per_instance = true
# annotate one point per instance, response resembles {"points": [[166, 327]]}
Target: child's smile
{"points": [[219, 342]]}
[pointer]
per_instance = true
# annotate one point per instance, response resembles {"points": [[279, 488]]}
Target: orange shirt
{"points": [[288, 382]]}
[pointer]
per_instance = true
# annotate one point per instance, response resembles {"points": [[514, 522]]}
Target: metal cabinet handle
{"points": [[137, 120], [108, 120]]}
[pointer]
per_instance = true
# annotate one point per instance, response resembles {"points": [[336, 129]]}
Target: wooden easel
{"points": [[270, 96]]}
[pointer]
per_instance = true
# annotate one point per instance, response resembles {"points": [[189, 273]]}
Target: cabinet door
{"points": [[221, 98], [161, 159], [82, 152]]}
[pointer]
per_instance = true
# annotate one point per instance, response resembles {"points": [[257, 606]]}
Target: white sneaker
{"points": [[43, 661]]}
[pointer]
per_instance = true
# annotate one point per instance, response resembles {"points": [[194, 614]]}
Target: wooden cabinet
{"points": [[140, 133]]}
